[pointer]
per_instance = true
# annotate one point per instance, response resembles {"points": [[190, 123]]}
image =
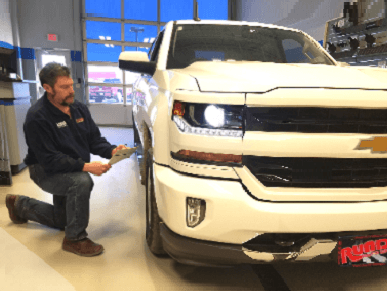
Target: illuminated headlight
{"points": [[196, 209], [214, 116], [208, 119]]}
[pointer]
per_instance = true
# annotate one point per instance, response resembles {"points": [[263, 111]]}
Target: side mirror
{"points": [[343, 64], [137, 62]]}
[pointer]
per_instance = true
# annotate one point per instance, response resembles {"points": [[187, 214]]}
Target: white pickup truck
{"points": [[260, 147]]}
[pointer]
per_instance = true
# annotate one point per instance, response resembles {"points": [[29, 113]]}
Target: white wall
{"points": [[307, 15], [37, 18], [111, 114], [5, 22]]}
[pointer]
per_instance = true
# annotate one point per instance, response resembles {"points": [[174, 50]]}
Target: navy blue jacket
{"points": [[59, 143]]}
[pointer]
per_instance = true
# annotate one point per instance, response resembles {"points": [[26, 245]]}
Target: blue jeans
{"points": [[71, 202]]}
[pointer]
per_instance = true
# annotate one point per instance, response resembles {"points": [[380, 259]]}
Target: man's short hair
{"points": [[51, 72]]}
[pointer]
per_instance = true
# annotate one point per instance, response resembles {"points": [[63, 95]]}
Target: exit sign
{"points": [[52, 37]]}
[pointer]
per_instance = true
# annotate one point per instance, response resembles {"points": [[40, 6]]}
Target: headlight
{"points": [[214, 116], [208, 119]]}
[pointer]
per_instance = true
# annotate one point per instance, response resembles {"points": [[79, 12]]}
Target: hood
{"points": [[251, 77]]}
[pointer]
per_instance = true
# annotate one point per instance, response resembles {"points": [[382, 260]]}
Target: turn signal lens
{"points": [[223, 158], [196, 209], [178, 108]]}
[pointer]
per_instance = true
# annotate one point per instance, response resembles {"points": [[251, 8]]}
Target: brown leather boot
{"points": [[10, 201], [84, 247]]}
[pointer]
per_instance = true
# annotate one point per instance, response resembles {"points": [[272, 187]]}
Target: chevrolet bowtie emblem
{"points": [[377, 144]]}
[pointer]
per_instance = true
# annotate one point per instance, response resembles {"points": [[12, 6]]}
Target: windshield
{"points": [[210, 42]]}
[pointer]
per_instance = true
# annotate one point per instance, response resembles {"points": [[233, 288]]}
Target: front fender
{"points": [[158, 124]]}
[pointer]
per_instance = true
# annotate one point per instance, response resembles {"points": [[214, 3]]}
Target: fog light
{"points": [[196, 209]]}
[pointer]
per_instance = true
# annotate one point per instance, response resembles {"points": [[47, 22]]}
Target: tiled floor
{"points": [[31, 257]]}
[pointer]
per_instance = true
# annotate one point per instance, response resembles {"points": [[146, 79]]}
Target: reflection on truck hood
{"points": [[261, 77]]}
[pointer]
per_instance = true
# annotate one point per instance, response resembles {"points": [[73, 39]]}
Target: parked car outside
{"points": [[110, 94], [116, 91], [99, 93]]}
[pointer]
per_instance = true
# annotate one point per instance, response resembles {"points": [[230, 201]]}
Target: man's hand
{"points": [[120, 147], [96, 168]]}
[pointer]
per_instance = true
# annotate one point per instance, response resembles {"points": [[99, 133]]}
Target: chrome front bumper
{"points": [[213, 254], [310, 250]]}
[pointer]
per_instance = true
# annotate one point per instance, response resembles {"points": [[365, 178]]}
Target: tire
{"points": [[136, 136], [153, 237]]}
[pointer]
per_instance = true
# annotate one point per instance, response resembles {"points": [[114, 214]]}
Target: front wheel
{"points": [[153, 237]]}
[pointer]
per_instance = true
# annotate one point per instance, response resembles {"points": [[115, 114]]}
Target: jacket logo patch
{"points": [[61, 124], [80, 120]]}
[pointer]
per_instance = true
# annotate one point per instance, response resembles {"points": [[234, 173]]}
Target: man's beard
{"points": [[64, 102]]}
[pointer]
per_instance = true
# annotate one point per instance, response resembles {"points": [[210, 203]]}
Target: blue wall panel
{"points": [[27, 53], [6, 45], [76, 56]]}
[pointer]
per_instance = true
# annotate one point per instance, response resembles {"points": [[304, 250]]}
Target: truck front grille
{"points": [[316, 120], [318, 172]]}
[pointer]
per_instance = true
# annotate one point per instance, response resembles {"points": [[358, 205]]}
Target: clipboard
{"points": [[121, 155]]}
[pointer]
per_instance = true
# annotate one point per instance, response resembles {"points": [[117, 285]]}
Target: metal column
{"points": [[5, 167]]}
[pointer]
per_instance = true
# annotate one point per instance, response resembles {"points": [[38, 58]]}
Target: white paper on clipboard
{"points": [[121, 155]]}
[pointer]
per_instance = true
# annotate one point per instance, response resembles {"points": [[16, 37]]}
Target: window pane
{"points": [[105, 94], [293, 51], [103, 52], [198, 42], [131, 78], [214, 9], [134, 49], [129, 96], [104, 74], [140, 33], [141, 10], [103, 8], [53, 58], [103, 30], [176, 10]]}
